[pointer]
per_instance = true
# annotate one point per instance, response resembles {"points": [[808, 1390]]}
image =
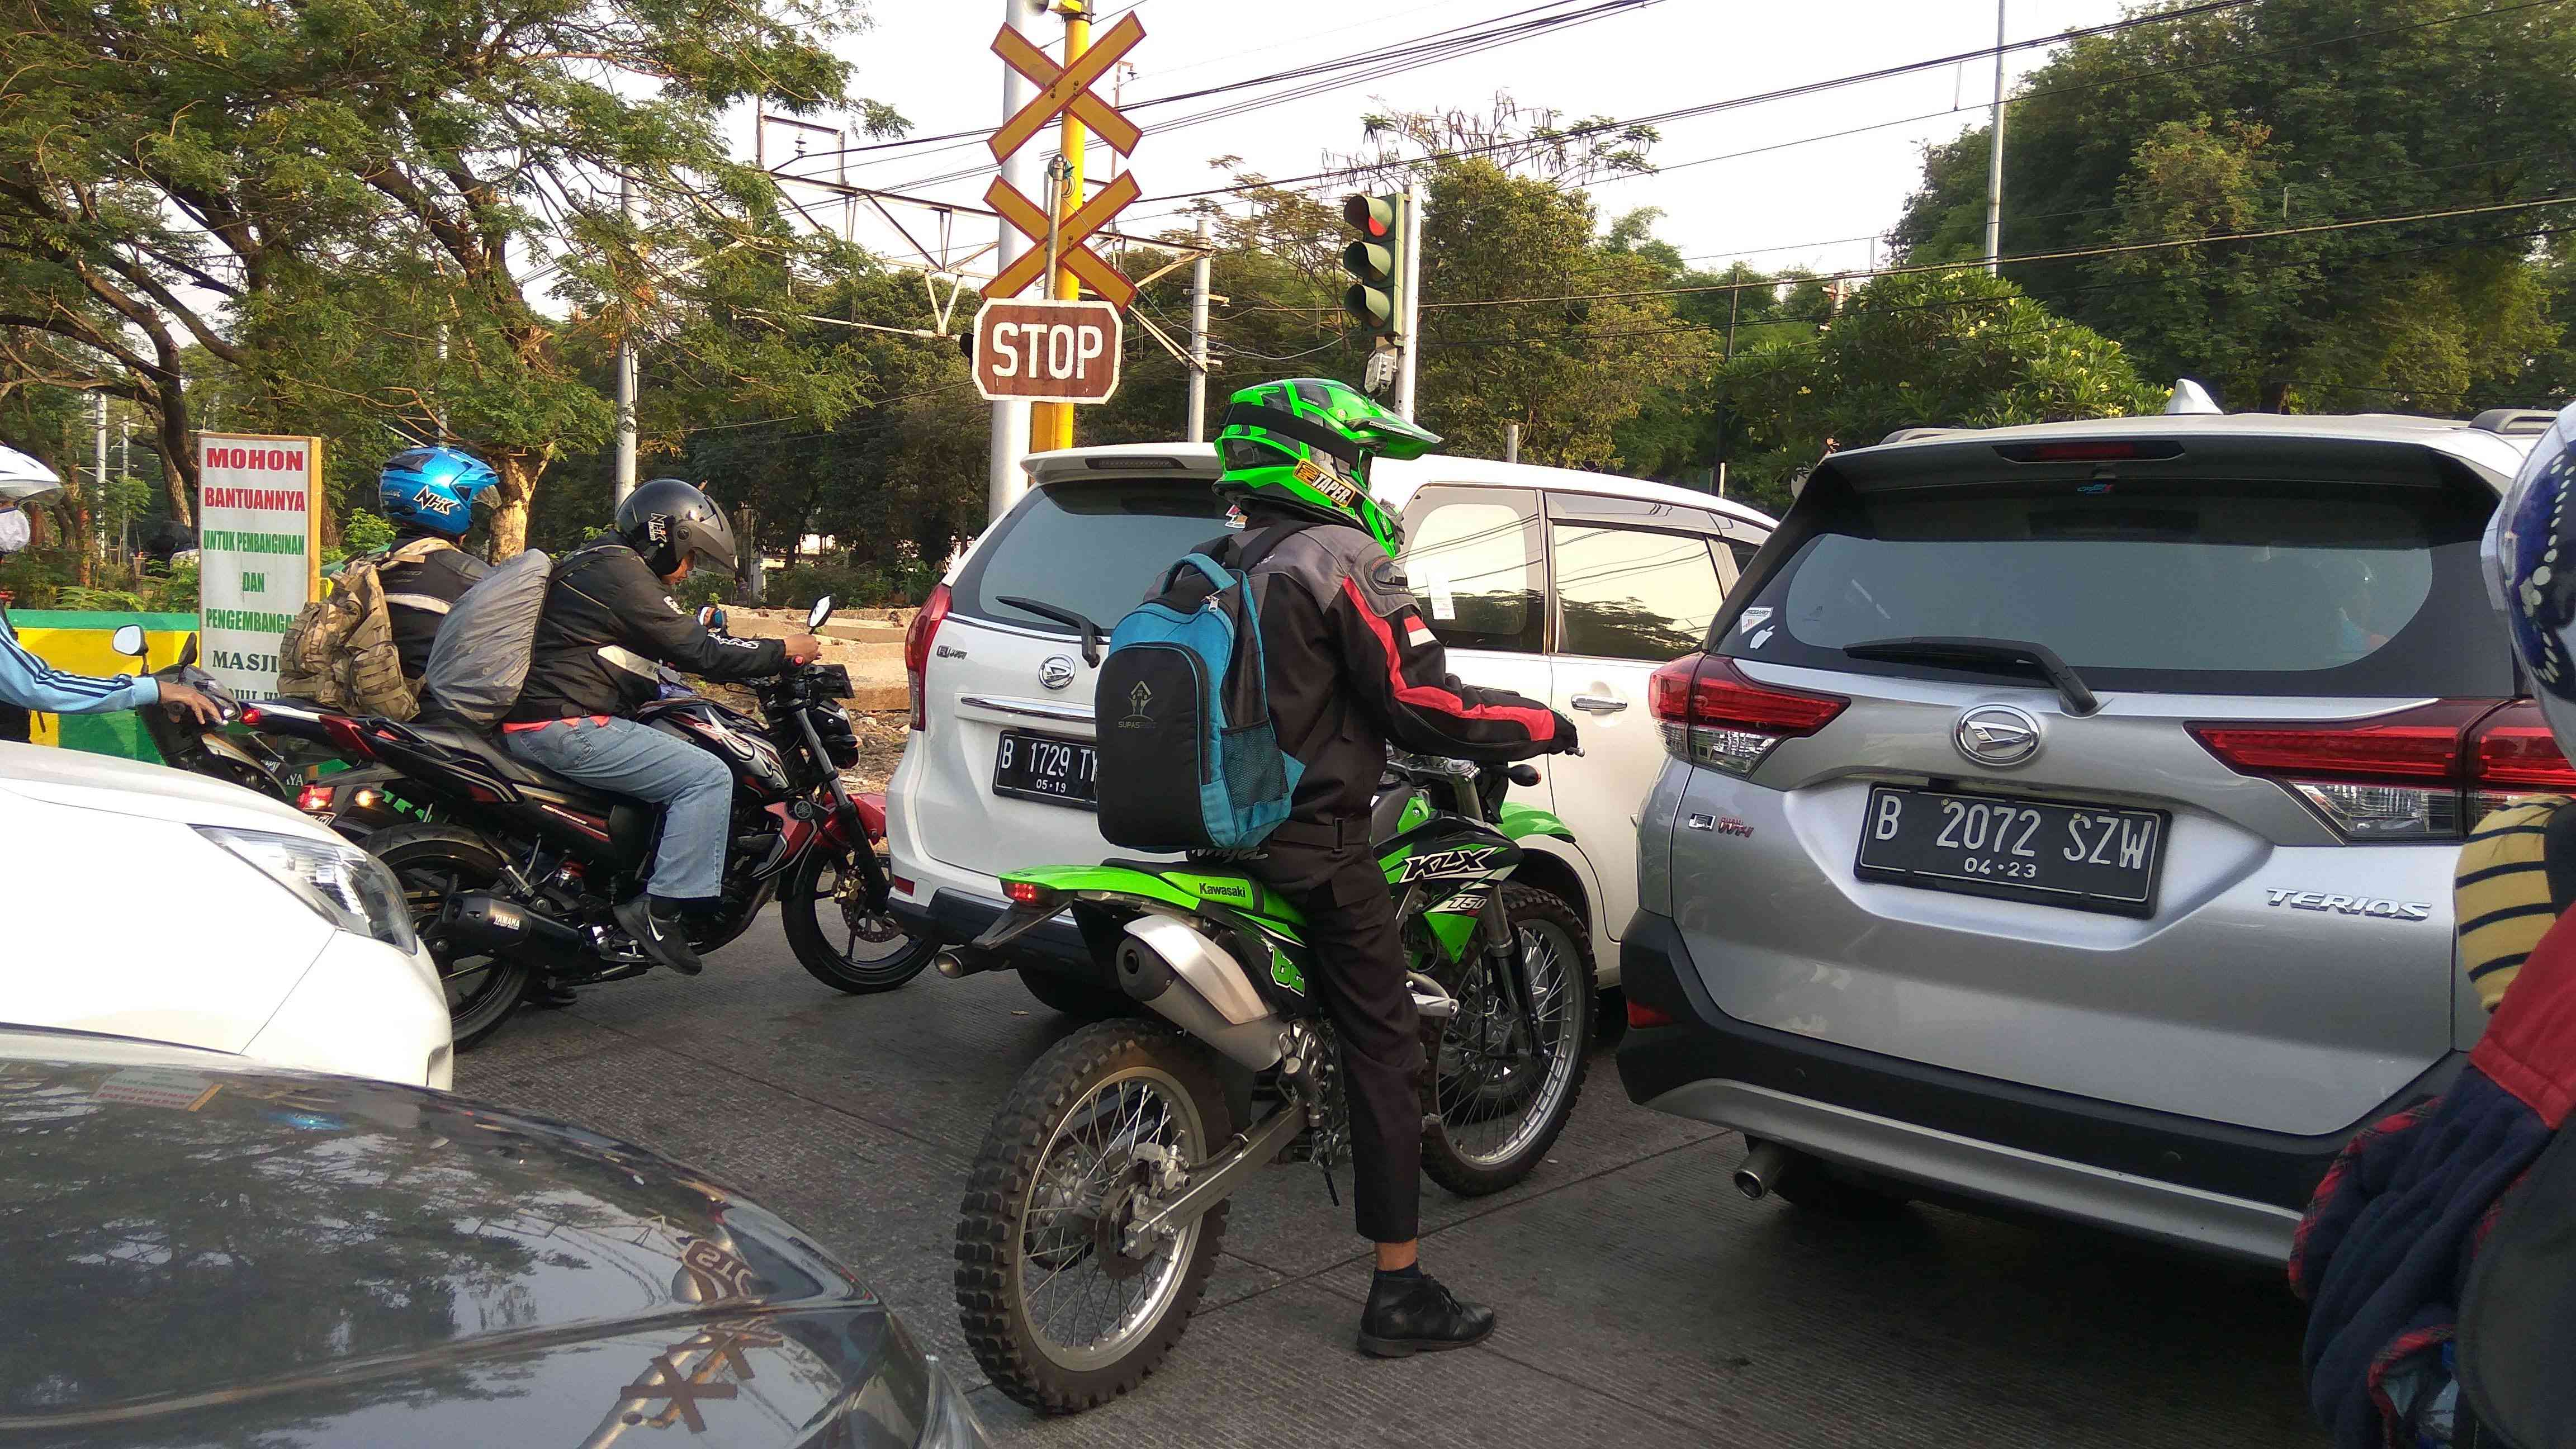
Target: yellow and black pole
{"points": [[1051, 424]]}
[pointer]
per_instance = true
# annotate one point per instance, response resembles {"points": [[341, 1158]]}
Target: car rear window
{"points": [[1092, 547], [2207, 587]]}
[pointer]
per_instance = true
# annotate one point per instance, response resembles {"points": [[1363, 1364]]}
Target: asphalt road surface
{"points": [[1643, 1300]]}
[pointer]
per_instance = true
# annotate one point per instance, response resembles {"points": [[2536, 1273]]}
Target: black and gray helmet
{"points": [[667, 520]]}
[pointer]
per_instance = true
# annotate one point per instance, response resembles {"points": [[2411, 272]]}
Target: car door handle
{"points": [[1598, 704]]}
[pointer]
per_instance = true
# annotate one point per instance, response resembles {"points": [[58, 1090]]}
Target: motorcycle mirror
{"points": [[821, 611], [128, 640], [706, 616], [188, 652]]}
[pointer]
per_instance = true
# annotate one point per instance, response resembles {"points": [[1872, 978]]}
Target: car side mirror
{"points": [[127, 640], [821, 611]]}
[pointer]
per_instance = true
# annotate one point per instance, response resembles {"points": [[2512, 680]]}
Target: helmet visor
{"points": [[1251, 453]]}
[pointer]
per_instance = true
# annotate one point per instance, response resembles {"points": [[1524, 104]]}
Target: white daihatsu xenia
{"points": [[1563, 586]]}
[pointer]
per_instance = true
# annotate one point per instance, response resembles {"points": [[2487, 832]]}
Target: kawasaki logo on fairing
{"points": [[1443, 864]]}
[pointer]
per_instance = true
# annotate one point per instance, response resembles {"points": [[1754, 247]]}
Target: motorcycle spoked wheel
{"points": [[1503, 1088], [834, 937], [1059, 1315], [433, 863]]}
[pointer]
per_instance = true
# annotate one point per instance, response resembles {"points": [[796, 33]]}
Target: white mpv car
{"points": [[147, 902], [1564, 586]]}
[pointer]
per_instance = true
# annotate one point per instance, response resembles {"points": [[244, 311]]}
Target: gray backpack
{"points": [[479, 661]]}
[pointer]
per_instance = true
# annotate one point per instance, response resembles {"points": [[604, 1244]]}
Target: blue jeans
{"points": [[694, 789]]}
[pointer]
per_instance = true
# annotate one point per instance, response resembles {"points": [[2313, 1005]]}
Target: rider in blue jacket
{"points": [[28, 683]]}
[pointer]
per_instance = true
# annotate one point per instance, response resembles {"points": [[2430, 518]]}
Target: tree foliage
{"points": [[2290, 114]]}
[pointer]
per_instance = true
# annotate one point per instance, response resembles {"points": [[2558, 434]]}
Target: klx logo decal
{"points": [[2350, 905], [1441, 865]]}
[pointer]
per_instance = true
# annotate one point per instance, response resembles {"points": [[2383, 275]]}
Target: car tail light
{"points": [[916, 652], [2425, 773], [1713, 715]]}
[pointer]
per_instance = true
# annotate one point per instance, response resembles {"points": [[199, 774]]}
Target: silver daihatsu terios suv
{"points": [[2062, 818]]}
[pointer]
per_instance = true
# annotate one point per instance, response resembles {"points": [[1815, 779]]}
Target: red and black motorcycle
{"points": [[518, 868]]}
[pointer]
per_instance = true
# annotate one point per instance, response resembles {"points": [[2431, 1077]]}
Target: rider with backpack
{"points": [[607, 621], [364, 647], [1348, 666]]}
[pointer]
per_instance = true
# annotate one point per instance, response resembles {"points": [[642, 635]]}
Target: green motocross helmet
{"points": [[1305, 443]]}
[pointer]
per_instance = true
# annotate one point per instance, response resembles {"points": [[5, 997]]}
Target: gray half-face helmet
{"points": [[2530, 556]]}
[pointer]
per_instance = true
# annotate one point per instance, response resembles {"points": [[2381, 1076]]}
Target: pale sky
{"points": [[1814, 204]]}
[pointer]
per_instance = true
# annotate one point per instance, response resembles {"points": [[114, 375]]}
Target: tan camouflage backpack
{"points": [[340, 650]]}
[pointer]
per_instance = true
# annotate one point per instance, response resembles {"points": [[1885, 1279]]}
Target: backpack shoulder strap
{"points": [[2558, 855]]}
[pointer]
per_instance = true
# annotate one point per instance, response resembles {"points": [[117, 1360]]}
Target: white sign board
{"points": [[259, 535], [1042, 351]]}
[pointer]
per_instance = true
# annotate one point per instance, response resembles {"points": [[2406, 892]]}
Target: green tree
{"points": [[2280, 115], [1930, 349]]}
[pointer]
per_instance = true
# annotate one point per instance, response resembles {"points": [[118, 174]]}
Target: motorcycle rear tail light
{"points": [[1712, 715], [2425, 773], [916, 651], [1028, 893]]}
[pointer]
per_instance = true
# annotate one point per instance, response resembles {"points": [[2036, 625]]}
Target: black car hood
{"points": [[193, 1251]]}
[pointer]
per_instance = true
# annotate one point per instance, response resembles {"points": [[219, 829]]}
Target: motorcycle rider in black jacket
{"points": [[1352, 667], [608, 619]]}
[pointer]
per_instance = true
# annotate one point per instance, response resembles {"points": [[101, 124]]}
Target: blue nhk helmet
{"points": [[435, 489], [2530, 553]]}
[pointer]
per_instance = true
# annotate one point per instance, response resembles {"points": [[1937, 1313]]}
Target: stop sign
{"points": [[1047, 351]]}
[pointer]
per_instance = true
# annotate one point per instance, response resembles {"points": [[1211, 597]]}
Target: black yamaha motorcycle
{"points": [[517, 869]]}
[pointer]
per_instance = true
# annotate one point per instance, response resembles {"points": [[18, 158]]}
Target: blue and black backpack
{"points": [[1188, 758]]}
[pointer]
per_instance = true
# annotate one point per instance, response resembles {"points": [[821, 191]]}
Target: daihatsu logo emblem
{"points": [[1056, 672], [1997, 734]]}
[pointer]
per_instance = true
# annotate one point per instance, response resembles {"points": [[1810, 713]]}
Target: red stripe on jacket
{"points": [[1540, 723]]}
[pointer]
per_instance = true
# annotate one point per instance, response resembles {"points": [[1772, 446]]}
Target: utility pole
{"points": [[1408, 358], [1995, 159], [1051, 424], [98, 480], [1003, 480], [1734, 308], [1511, 442], [1199, 338], [626, 364]]}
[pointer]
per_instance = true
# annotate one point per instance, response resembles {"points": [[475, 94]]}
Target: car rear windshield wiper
{"points": [[2013, 656]]}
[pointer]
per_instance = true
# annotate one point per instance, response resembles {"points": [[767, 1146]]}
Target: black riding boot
{"points": [[1413, 1314]]}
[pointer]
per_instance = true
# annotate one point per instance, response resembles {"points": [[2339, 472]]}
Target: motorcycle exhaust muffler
{"points": [[1194, 984], [480, 923]]}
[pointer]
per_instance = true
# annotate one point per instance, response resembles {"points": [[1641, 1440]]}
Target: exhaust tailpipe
{"points": [[1189, 981], [481, 923], [1762, 1169]]}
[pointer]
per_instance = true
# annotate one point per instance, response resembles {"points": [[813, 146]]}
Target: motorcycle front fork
{"points": [[1506, 966]]}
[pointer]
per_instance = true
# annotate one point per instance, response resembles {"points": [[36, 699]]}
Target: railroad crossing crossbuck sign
{"points": [[1063, 89]]}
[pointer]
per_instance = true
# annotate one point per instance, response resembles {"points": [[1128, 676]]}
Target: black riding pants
{"points": [[1329, 871]]}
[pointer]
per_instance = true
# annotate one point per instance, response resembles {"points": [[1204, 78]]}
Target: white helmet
{"points": [[2530, 554], [22, 477]]}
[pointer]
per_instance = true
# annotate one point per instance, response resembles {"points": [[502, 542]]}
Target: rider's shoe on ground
{"points": [[1411, 1313], [656, 926]]}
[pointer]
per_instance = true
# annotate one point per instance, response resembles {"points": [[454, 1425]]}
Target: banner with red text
{"points": [[259, 535]]}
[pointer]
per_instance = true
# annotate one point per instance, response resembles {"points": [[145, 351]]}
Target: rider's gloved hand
{"points": [[1565, 742]]}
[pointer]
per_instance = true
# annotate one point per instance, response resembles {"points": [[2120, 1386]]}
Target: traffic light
{"points": [[1374, 262]]}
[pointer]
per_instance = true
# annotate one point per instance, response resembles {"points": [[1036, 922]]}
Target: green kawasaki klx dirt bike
{"points": [[1094, 1213]]}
